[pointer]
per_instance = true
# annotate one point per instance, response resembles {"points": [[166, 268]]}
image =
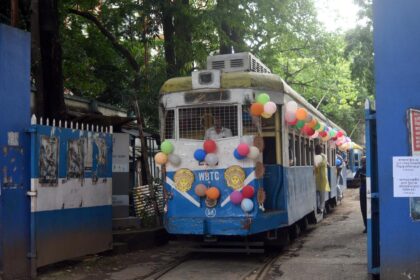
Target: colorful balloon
{"points": [[200, 190], [213, 193], [315, 135], [248, 191], [301, 114], [292, 123], [266, 115], [166, 147], [308, 118], [243, 149], [209, 146], [236, 197], [291, 107], [312, 123], [175, 160], [300, 124], [200, 154], [263, 98], [237, 155], [290, 117], [211, 159], [254, 152], [270, 107], [161, 158], [247, 205], [317, 126], [257, 109], [339, 134]]}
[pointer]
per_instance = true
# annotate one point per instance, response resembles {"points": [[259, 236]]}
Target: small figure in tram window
{"points": [[217, 131], [321, 176], [361, 175]]}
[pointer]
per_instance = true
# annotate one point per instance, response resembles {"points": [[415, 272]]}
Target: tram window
{"points": [[169, 124], [297, 150], [307, 156], [250, 124], [302, 151], [210, 122], [292, 159], [311, 152], [268, 156]]}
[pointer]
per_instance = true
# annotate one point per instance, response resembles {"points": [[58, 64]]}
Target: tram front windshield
{"points": [[208, 122]]}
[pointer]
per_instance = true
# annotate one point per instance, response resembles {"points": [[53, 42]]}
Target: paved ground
{"points": [[334, 249]]}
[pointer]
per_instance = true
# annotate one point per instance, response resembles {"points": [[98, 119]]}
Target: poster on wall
{"points": [[48, 160], [75, 159], [101, 157], [413, 117]]}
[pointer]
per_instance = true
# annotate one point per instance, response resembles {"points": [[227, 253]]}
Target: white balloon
{"points": [[254, 152], [174, 159], [291, 107], [211, 159], [247, 139]]}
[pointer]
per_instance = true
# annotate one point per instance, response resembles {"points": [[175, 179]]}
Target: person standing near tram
{"points": [[321, 176]]}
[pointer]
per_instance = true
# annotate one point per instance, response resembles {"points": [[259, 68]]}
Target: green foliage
{"points": [[331, 70]]}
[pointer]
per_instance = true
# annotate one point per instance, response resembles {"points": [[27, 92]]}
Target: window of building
{"points": [[297, 150], [292, 158]]}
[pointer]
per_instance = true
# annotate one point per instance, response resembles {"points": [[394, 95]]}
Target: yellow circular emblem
{"points": [[235, 177], [183, 179]]}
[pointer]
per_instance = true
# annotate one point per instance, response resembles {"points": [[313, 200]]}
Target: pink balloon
{"points": [[236, 197], [243, 149], [315, 135], [270, 107], [290, 117]]}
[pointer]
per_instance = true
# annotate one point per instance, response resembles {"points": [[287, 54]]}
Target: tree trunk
{"points": [[183, 37], [168, 33], [51, 88]]}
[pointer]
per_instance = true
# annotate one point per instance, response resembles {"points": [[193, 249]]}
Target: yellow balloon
{"points": [[266, 115]]}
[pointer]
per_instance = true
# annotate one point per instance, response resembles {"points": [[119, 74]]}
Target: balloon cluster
{"points": [[208, 153], [312, 127], [244, 198], [212, 193], [263, 106], [167, 154], [246, 149]]}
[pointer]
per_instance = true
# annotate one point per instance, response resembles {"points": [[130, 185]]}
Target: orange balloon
{"points": [[301, 114], [257, 109], [161, 158], [312, 123], [213, 193]]}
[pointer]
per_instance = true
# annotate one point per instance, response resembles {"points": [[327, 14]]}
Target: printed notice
{"points": [[406, 174]]}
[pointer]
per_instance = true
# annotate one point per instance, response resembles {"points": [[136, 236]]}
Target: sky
{"points": [[337, 15]]}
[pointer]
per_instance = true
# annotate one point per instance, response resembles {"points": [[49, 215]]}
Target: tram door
{"points": [[372, 191]]}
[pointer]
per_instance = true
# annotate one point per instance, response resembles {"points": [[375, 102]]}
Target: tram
{"points": [[212, 188]]}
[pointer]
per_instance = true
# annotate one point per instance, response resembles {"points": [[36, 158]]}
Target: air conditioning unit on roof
{"points": [[237, 62]]}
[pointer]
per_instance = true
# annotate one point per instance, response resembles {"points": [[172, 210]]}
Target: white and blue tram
{"points": [[281, 178]]}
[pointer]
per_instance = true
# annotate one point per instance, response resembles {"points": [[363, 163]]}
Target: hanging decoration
{"points": [[263, 107]]}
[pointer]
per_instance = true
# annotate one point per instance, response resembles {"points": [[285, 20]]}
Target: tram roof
{"points": [[259, 81]]}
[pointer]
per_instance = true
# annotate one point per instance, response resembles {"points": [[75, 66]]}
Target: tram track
{"points": [[158, 274]]}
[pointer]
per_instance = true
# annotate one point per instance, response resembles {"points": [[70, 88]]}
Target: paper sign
{"points": [[406, 176]]}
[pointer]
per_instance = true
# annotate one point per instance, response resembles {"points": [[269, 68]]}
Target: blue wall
{"points": [[397, 72], [14, 160]]}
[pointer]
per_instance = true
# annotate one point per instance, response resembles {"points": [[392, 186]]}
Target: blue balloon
{"points": [[247, 205], [237, 155], [338, 162], [200, 154]]}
